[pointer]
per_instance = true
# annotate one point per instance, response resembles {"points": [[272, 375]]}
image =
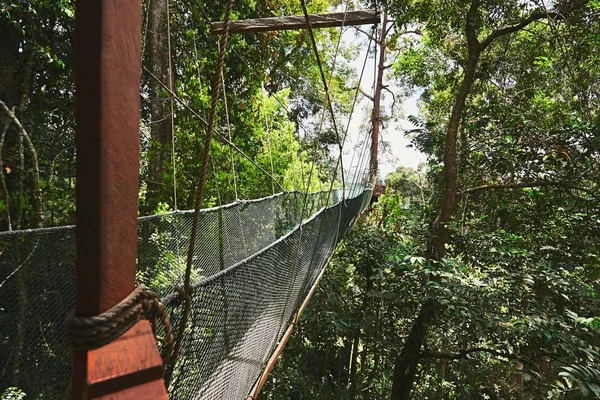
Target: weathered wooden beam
{"points": [[245, 26], [107, 78]]}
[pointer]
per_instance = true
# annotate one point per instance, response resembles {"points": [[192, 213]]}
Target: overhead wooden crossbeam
{"points": [[245, 26]]}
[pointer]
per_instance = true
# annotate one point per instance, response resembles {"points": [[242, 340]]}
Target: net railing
{"points": [[254, 263]]}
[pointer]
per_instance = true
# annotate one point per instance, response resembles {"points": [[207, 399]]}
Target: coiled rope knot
{"points": [[84, 333]]}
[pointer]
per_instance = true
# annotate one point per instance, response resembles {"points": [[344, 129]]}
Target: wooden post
{"points": [[108, 69], [330, 20], [377, 103]]}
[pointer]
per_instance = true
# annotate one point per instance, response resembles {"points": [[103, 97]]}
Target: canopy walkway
{"points": [[255, 263], [232, 279]]}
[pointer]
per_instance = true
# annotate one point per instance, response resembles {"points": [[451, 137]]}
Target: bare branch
{"points": [[514, 28], [393, 95], [370, 36], [464, 353], [566, 9], [36, 166], [566, 185], [361, 90]]}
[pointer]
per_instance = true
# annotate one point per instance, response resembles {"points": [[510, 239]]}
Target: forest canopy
{"points": [[476, 275]]}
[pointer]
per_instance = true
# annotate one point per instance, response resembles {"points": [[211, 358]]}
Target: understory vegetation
{"points": [[514, 317]]}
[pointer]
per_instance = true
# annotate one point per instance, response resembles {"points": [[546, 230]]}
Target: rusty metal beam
{"points": [[108, 70], [330, 20]]}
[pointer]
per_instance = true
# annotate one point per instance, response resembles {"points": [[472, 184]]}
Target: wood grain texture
{"points": [[154, 390], [362, 17], [128, 364], [108, 71]]}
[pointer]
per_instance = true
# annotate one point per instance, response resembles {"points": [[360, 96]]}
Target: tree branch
{"points": [[532, 184], [536, 16], [370, 36], [393, 95], [36, 167], [368, 96], [566, 9], [464, 353]]}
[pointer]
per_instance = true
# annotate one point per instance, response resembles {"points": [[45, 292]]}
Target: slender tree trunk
{"points": [[9, 48], [519, 380], [159, 154], [344, 365], [406, 366], [407, 363], [450, 159], [6, 198], [354, 365], [442, 366], [20, 278], [22, 274]]}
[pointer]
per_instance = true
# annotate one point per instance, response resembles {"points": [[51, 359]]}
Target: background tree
{"points": [[499, 295]]}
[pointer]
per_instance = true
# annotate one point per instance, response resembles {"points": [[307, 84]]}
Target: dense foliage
{"points": [[479, 279], [476, 276]]}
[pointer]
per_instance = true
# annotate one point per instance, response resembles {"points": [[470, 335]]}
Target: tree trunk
{"points": [[9, 48], [354, 365], [450, 160], [519, 380], [406, 366], [343, 373], [442, 366], [159, 152]]}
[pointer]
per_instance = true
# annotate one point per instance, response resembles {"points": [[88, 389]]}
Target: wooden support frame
{"points": [[108, 71], [330, 20]]}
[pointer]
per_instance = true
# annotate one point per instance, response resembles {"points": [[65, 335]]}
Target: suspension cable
{"points": [[219, 134], [325, 85], [266, 117], [229, 131], [354, 101], [338, 164], [317, 141]]}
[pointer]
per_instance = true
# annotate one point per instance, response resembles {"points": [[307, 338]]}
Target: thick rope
{"points": [[216, 90], [84, 333]]}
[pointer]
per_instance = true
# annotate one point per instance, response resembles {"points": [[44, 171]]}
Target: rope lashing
{"points": [[85, 333]]}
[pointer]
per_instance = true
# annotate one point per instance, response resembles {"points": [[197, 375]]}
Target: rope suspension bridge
{"points": [[235, 279]]}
